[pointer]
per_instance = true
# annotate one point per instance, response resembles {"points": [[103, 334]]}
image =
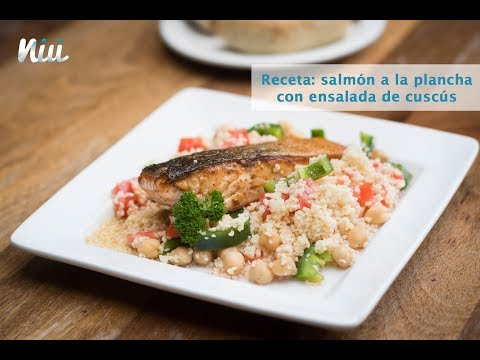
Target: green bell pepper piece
{"points": [[222, 239]]}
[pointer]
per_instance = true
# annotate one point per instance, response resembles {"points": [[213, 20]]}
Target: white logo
{"points": [[24, 49]]}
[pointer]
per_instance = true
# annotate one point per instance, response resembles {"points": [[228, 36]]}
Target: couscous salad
{"points": [[265, 203]]}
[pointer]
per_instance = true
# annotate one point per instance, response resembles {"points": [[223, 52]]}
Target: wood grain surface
{"points": [[57, 118]]}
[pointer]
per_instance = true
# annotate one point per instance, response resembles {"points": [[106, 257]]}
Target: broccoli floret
{"points": [[214, 205], [189, 218], [191, 214]]}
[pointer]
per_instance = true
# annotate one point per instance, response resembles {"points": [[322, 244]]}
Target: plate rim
{"points": [[338, 323], [243, 62]]}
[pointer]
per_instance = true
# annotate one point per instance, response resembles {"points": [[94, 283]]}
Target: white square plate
{"points": [[438, 160]]}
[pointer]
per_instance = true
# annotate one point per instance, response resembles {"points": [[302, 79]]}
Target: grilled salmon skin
{"points": [[237, 172]]}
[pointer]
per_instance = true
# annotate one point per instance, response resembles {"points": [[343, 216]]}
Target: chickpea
{"points": [[221, 251], [377, 214], [233, 261], [357, 237], [284, 267], [343, 228], [260, 273], [379, 154], [202, 257], [343, 256], [148, 247], [269, 242], [181, 256]]}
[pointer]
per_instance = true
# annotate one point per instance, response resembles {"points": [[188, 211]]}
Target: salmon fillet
{"points": [[237, 172]]}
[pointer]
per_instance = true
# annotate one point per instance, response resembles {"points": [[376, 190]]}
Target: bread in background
{"points": [[205, 25], [277, 36]]}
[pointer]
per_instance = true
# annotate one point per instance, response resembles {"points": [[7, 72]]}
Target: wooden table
{"points": [[57, 118]]}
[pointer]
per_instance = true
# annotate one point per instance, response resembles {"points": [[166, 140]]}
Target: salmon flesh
{"points": [[239, 172]]}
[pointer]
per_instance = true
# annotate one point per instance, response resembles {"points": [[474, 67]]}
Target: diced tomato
{"points": [[285, 197], [267, 209], [123, 203], [236, 137], [262, 198], [311, 186], [397, 175], [366, 194], [375, 165], [125, 186], [188, 144], [239, 134], [151, 234], [171, 232], [266, 213], [304, 201], [125, 197]]}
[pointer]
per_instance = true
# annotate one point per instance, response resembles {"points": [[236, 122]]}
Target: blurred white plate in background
{"points": [[183, 38]]}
